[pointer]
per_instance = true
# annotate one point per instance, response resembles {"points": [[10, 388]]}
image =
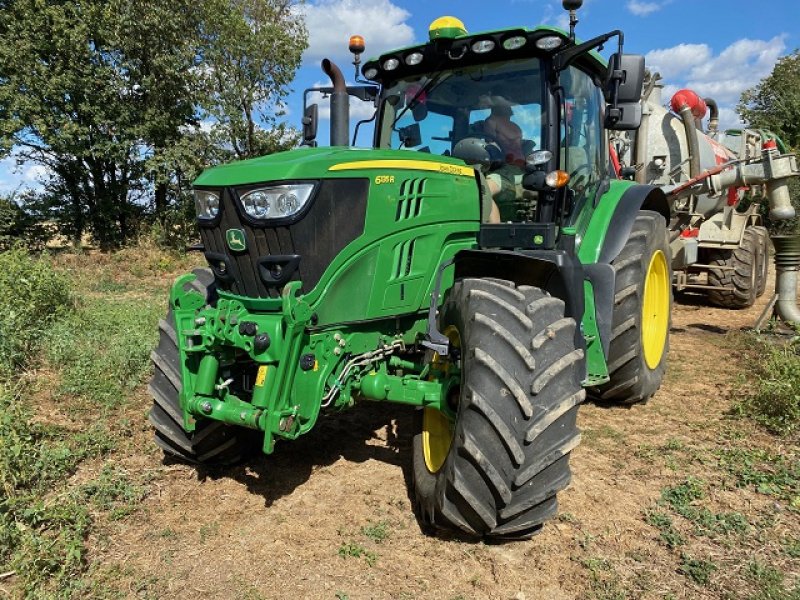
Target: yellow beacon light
{"points": [[446, 28]]}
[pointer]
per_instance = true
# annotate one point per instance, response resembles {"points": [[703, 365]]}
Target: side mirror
{"points": [[628, 69], [310, 120], [623, 117]]}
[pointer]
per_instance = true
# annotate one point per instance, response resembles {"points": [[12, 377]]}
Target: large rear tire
{"points": [[737, 279], [637, 355], [212, 442], [495, 472]]}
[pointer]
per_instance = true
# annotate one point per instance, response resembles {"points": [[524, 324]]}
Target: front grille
{"points": [[334, 219]]}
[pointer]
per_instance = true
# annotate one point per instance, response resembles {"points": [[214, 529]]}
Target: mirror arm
{"points": [[566, 57]]}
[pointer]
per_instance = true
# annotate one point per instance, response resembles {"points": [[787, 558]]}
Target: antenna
{"points": [[572, 6]]}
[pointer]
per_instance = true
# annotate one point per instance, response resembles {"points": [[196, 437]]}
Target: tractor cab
{"points": [[525, 107]]}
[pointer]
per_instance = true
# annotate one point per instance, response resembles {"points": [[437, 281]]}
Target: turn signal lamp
{"points": [[446, 28], [557, 179]]}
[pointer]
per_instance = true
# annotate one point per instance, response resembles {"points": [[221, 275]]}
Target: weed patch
{"points": [[32, 296], [377, 532], [356, 550], [696, 569], [103, 348], [772, 474], [770, 583], [774, 400]]}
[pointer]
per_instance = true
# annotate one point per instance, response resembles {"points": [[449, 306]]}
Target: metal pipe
{"points": [[713, 119], [340, 105], [787, 264], [691, 140]]}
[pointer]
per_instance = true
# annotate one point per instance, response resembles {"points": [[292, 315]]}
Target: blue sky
{"points": [[716, 47]]}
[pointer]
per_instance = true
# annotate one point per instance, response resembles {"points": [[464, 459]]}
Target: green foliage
{"points": [[42, 528], [770, 583], [356, 550], [680, 496], [104, 348], [663, 523], [113, 492], [696, 569], [252, 49], [32, 296], [774, 400], [121, 88], [774, 104], [772, 474], [377, 532], [20, 226]]}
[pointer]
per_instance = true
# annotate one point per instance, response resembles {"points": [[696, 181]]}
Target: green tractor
{"points": [[402, 273]]}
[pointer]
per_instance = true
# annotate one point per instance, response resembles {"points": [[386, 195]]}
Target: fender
{"points": [[605, 236], [558, 272]]}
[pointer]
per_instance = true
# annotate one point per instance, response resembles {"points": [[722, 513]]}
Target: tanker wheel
{"points": [[637, 354], [737, 279], [494, 472], [212, 442], [762, 267]]}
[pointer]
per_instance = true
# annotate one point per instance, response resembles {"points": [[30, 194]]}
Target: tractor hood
{"points": [[319, 163]]}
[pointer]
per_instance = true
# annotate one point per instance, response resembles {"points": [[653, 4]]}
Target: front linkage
{"points": [[288, 368]]}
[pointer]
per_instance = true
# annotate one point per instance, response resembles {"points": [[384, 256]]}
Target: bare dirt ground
{"points": [[329, 516]]}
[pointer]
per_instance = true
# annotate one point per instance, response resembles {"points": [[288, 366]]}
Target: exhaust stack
{"points": [[340, 105]]}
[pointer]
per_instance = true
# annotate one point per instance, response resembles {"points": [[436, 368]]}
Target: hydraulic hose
{"points": [[340, 105], [713, 119]]}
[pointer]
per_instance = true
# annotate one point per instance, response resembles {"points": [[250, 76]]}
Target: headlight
{"points": [[206, 204], [277, 201]]}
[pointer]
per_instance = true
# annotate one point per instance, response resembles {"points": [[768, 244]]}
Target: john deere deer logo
{"points": [[236, 240]]}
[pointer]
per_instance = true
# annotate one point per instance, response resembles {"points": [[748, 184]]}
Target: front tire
{"points": [[507, 454], [637, 354], [212, 442]]}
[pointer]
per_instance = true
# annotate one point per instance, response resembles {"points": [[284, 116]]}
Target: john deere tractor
{"points": [[400, 274]]}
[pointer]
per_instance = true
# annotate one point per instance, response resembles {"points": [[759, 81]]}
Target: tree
{"points": [[774, 104], [250, 52], [109, 97]]}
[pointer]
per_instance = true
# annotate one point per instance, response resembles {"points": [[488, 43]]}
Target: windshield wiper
{"points": [[432, 83]]}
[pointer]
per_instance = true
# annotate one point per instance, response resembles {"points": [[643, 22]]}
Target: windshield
{"points": [[500, 103]]}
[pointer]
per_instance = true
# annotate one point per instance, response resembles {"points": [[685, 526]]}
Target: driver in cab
{"points": [[505, 181]]}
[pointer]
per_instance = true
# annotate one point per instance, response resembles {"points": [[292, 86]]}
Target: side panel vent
{"points": [[403, 259], [412, 192]]}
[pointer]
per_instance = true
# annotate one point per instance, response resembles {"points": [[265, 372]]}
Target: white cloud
{"points": [[672, 62], [722, 77], [331, 22], [358, 110], [642, 9]]}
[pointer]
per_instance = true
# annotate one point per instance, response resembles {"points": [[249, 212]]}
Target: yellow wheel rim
{"points": [[437, 435], [655, 310], [437, 430]]}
